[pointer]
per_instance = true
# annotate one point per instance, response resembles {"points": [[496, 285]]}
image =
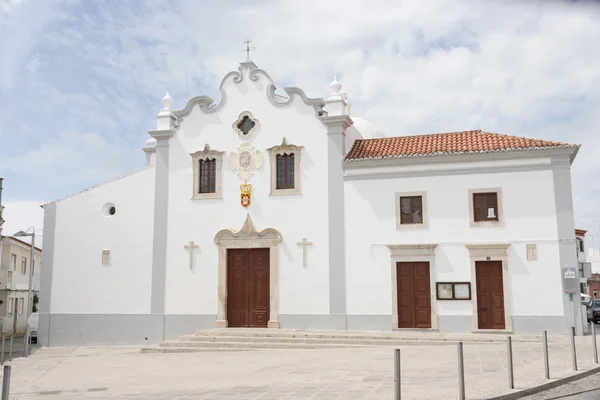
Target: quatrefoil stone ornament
{"points": [[246, 125], [245, 160]]}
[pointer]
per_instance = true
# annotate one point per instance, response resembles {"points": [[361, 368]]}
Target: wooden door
{"points": [[248, 288], [490, 295], [414, 296]]}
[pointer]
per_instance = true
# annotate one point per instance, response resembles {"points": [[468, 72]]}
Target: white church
{"points": [[268, 211]]}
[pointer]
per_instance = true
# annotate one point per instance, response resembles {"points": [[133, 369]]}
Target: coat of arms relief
{"points": [[245, 160]]}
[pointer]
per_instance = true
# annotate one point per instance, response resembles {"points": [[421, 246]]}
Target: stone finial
{"points": [[167, 102], [335, 86]]}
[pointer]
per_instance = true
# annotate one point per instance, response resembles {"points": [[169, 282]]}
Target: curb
{"points": [[547, 386]]}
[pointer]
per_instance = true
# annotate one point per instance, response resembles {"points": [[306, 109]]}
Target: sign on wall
{"points": [[570, 281]]}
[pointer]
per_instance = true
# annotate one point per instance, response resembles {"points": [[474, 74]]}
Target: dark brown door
{"points": [[490, 294], [414, 296], [248, 288]]}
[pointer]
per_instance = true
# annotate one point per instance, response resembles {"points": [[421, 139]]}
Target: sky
{"points": [[81, 81]]}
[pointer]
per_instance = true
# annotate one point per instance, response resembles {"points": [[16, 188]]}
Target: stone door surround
{"points": [[247, 238]]}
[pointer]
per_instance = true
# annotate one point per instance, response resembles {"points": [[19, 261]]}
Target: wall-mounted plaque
{"points": [[453, 290]]}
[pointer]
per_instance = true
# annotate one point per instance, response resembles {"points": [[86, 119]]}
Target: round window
{"points": [[109, 209]]}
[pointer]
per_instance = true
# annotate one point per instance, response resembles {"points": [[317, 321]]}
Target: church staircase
{"points": [[242, 339]]}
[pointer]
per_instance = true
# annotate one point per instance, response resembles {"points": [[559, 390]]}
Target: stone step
{"points": [[358, 335], [191, 349], [315, 340], [250, 345]]}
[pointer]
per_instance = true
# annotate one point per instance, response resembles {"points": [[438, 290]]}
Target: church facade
{"points": [[271, 211]]}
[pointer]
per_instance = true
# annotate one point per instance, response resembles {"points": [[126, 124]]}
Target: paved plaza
{"points": [[428, 372]]}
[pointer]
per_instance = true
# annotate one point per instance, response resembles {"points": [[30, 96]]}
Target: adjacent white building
{"points": [[14, 282], [260, 210]]}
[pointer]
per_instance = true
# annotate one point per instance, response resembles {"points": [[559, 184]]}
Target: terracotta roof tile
{"points": [[465, 142]]}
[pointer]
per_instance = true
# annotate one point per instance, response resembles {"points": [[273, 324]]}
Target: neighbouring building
{"points": [[594, 286], [14, 282], [583, 266], [284, 211]]}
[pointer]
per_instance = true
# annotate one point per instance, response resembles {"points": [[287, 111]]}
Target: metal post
{"points": [[2, 356], [11, 343], [29, 298], [573, 348], [546, 362], [397, 374], [594, 342], [6, 382], [511, 379], [461, 372]]}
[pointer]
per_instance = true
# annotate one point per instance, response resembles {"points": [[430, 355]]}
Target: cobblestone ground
{"points": [[428, 373], [583, 389]]}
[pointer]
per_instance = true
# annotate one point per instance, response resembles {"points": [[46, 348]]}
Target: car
{"points": [[32, 324], [593, 311]]}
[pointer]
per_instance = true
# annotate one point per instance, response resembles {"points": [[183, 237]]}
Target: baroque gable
{"points": [[248, 69]]}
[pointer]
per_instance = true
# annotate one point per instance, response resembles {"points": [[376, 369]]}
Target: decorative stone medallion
{"points": [[245, 160]]}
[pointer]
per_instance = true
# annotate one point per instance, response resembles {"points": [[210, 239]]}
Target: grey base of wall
{"points": [[117, 329], [145, 329], [537, 324]]}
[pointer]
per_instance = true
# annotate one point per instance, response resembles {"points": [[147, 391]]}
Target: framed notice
{"points": [[444, 291], [453, 290]]}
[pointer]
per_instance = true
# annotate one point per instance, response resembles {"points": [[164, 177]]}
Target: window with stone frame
{"points": [[285, 171], [485, 207], [285, 168], [411, 210], [207, 165], [13, 261]]}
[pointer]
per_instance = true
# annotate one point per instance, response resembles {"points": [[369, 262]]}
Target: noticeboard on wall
{"points": [[453, 290]]}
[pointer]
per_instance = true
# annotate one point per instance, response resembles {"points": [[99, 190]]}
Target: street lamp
{"points": [[29, 299]]}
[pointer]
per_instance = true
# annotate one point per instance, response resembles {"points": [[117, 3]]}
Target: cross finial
{"points": [[248, 49]]}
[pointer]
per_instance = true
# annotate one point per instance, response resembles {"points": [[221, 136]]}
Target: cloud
{"points": [[76, 157], [98, 71], [20, 215]]}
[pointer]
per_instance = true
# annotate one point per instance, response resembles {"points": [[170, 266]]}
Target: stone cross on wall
{"points": [[304, 243], [191, 246]]}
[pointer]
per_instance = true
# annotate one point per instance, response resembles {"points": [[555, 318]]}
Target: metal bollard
{"points": [[546, 362], [573, 348], [511, 378], [2, 356], [6, 382], [461, 372], [397, 374], [594, 342], [10, 350]]}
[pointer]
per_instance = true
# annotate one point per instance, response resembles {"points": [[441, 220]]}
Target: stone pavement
{"points": [[585, 385], [428, 372]]}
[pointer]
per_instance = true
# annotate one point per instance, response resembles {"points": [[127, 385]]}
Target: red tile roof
{"points": [[466, 142]]}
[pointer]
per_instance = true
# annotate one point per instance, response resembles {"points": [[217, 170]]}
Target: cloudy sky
{"points": [[81, 81]]}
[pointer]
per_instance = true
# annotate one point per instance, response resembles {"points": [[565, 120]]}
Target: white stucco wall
{"points": [[529, 217], [301, 290], [80, 282]]}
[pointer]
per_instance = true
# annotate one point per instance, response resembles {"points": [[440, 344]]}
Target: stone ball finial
{"points": [[167, 102], [151, 142], [335, 86]]}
